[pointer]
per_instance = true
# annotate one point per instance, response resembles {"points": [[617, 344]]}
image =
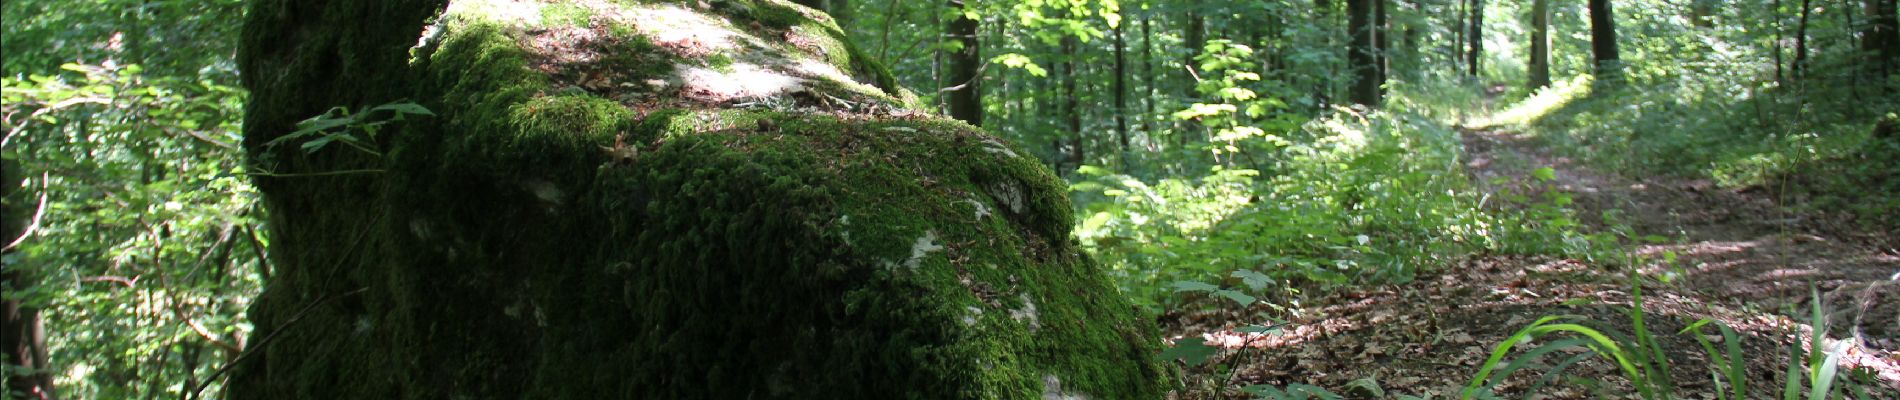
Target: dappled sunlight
{"points": [[688, 32], [1546, 101]]}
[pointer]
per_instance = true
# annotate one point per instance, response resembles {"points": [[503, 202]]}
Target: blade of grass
{"points": [[1554, 372], [1524, 360]]}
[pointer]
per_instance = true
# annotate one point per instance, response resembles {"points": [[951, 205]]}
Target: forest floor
{"points": [[1739, 259]]}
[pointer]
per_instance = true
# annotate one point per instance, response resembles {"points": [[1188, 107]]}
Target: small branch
{"points": [[51, 108], [257, 246], [38, 214], [208, 139], [973, 78], [294, 318], [128, 283], [199, 328]]}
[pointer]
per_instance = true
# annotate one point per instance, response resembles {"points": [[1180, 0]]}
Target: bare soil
{"points": [[1739, 259]]}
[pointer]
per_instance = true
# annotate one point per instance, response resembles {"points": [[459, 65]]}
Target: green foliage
{"points": [[1722, 103], [1642, 359], [1339, 200], [339, 125], [151, 243]]}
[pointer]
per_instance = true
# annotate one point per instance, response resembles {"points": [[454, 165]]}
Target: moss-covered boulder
{"points": [[655, 200]]}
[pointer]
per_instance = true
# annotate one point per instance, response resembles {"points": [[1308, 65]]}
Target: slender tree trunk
{"points": [[1458, 35], [22, 330], [1603, 39], [1780, 74], [1477, 38], [1194, 37], [1881, 38], [1148, 70], [1121, 92], [1323, 88], [1361, 53], [1072, 104], [964, 83], [1801, 42], [1540, 45], [1381, 44]]}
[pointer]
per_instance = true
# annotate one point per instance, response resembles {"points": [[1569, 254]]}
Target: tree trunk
{"points": [[1323, 88], [1603, 39], [1540, 45], [1801, 42], [1194, 37], [1072, 105], [1153, 80], [1361, 54], [1775, 11], [536, 237], [1457, 52], [22, 330], [1121, 93], [1881, 39], [1381, 44], [1476, 38], [963, 84]]}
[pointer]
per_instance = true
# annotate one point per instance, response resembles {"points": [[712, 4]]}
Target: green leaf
{"points": [[1545, 174], [1265, 392], [1193, 350], [1192, 286], [1236, 296], [1253, 279], [1366, 386], [404, 108]]}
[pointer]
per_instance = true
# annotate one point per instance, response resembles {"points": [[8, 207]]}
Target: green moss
{"points": [[547, 242], [565, 14]]}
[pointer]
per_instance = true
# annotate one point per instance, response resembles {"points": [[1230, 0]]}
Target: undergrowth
{"points": [[1810, 143]]}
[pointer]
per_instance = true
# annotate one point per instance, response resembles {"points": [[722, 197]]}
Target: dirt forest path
{"points": [[1738, 259]]}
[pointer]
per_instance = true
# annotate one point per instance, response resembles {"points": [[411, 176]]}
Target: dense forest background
{"points": [[1245, 158]]}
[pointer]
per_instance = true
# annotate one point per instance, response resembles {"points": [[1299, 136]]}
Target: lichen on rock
{"points": [[667, 199]]}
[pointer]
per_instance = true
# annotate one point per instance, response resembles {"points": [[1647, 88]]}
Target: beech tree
{"points": [[1539, 64], [1603, 38], [1476, 38], [1363, 54], [963, 82]]}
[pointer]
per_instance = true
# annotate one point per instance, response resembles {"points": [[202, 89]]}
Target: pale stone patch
{"points": [[1027, 313], [1052, 390], [925, 245], [743, 82], [1009, 194], [993, 146], [982, 210]]}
